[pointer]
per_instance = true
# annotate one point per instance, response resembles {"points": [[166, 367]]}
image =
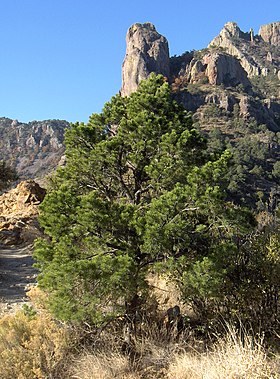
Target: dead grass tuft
{"points": [[103, 366], [232, 357]]}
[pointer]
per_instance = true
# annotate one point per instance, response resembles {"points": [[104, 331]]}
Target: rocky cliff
{"points": [[234, 60], [146, 51], [216, 68], [271, 33], [258, 54], [34, 149]]}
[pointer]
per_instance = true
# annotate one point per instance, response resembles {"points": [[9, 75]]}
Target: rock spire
{"points": [[146, 51]]}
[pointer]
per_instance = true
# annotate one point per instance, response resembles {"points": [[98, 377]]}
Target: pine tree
{"points": [[138, 191]]}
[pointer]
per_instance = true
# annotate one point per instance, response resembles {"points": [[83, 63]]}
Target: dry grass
{"points": [[231, 358], [34, 346], [155, 357], [102, 366]]}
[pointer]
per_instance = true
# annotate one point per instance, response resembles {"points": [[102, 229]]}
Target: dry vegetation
{"points": [[230, 357], [31, 347], [228, 360], [34, 346]]}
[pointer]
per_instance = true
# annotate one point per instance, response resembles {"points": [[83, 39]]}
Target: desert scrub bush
{"points": [[31, 347], [233, 356]]}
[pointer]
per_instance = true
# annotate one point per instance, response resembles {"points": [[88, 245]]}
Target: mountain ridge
{"points": [[35, 148]]}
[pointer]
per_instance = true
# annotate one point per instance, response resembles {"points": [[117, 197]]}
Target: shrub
{"points": [[31, 347]]}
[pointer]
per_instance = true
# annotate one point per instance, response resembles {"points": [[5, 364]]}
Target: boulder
{"points": [[19, 211]]}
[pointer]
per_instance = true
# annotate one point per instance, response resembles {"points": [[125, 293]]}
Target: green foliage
{"points": [[255, 280], [276, 171], [139, 190], [266, 85], [7, 175]]}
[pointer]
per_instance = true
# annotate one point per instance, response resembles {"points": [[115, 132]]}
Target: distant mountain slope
{"points": [[35, 149]]}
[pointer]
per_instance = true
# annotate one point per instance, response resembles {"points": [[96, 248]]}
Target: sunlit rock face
{"points": [[251, 49], [217, 68], [19, 212], [270, 33], [146, 52]]}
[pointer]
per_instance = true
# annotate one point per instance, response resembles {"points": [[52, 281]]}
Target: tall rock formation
{"points": [[146, 51], [270, 33]]}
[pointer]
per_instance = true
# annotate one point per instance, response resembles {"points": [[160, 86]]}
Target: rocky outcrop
{"points": [[252, 50], [229, 39], [146, 51], [225, 69], [217, 68], [34, 149], [270, 33], [263, 111], [18, 213]]}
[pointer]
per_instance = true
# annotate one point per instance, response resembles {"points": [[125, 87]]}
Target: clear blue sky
{"points": [[62, 58]]}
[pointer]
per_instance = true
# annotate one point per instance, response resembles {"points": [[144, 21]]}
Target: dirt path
{"points": [[16, 274]]}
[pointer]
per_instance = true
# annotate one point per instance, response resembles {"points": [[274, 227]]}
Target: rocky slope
{"points": [[34, 149]]}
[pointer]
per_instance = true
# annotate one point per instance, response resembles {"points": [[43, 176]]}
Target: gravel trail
{"points": [[16, 275]]}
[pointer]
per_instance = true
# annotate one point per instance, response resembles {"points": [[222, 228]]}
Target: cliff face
{"points": [[216, 68], [146, 51], [234, 58], [229, 59], [34, 149], [258, 54], [271, 33]]}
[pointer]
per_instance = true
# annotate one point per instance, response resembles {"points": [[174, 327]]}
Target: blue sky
{"points": [[62, 58]]}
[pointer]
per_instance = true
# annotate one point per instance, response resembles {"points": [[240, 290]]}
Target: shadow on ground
{"points": [[16, 273]]}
